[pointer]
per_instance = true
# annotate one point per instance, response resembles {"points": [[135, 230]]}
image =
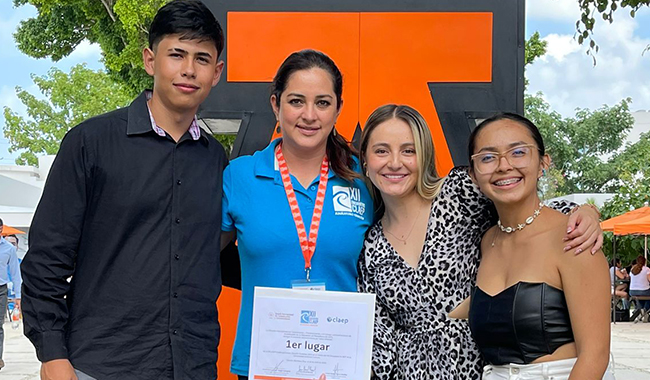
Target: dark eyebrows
{"points": [[177, 50], [297, 95], [204, 54], [510, 146], [185, 52], [386, 145]]}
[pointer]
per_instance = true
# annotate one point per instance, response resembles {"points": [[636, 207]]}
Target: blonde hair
{"points": [[428, 182]]}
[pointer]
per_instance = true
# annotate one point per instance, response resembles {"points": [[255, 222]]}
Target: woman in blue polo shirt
{"points": [[311, 168]]}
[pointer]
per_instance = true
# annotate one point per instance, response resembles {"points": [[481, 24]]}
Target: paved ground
{"points": [[630, 346]]}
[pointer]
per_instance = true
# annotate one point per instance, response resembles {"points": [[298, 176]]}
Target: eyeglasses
{"points": [[518, 157]]}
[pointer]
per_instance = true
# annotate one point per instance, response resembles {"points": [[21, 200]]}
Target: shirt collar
{"points": [[194, 128], [267, 164], [140, 122]]}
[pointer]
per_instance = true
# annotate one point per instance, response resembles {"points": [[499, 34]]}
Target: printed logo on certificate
{"points": [[300, 335]]}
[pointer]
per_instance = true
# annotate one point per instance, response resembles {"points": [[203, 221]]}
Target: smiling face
{"points": [[307, 109], [184, 71], [390, 158], [513, 179]]}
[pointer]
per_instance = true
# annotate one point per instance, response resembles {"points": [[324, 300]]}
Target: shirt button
{"points": [[175, 332], [309, 200], [515, 370], [177, 257], [178, 221], [313, 188], [178, 182], [175, 295]]}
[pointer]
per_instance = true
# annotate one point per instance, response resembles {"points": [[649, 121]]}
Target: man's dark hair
{"points": [[190, 19], [1, 224]]}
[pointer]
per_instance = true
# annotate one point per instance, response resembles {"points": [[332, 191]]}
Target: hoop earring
{"points": [[334, 130]]}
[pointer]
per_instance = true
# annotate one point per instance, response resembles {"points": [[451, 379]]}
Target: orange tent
{"points": [[633, 222], [636, 226], [608, 225], [7, 230]]}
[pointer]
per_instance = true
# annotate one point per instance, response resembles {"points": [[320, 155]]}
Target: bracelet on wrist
{"points": [[592, 206]]}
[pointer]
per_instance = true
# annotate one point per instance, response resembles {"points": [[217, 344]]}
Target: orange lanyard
{"points": [[308, 246]]}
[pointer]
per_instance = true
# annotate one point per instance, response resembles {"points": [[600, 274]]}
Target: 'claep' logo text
{"points": [[337, 320]]}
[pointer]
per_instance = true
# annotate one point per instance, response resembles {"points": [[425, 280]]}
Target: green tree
{"points": [[70, 99], [633, 192], [584, 147], [591, 10], [534, 48], [118, 26]]}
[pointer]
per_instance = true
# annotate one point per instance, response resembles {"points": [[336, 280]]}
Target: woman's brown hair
{"points": [[640, 263]]}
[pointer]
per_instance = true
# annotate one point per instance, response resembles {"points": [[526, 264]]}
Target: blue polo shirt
{"points": [[255, 204]]}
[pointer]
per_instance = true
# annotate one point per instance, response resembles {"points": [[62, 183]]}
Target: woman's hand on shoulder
{"points": [[583, 231]]}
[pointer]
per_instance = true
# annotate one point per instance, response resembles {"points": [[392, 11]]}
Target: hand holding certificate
{"points": [[300, 334]]}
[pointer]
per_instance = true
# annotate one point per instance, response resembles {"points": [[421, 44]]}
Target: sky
{"points": [[565, 75]]}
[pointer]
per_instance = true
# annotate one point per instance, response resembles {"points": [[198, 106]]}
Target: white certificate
{"points": [[302, 334]]}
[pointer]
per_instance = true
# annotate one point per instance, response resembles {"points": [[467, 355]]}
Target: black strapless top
{"points": [[520, 324]]}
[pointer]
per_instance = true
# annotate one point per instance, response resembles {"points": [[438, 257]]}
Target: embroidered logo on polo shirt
{"points": [[347, 201]]}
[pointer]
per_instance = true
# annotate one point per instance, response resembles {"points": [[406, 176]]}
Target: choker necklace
{"points": [[520, 226]]}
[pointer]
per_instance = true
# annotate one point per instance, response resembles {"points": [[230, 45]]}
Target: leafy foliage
{"points": [[631, 195], [583, 148], [118, 26], [534, 48], [70, 99], [591, 10]]}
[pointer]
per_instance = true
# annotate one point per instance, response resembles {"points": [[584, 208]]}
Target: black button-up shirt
{"points": [[135, 219]]}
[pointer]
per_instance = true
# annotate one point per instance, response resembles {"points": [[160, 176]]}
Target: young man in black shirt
{"points": [[132, 212]]}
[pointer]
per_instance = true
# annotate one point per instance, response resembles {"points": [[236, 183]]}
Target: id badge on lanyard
{"points": [[307, 244]]}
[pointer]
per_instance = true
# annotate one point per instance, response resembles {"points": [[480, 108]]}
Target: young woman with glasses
{"points": [[536, 311]]}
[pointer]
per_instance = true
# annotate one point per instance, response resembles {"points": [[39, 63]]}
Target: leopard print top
{"points": [[414, 339]]}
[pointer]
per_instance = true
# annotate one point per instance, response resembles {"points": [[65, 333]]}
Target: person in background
{"points": [[420, 257], [8, 266], [131, 211], [13, 239], [640, 286], [298, 208], [618, 274], [537, 311]]}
